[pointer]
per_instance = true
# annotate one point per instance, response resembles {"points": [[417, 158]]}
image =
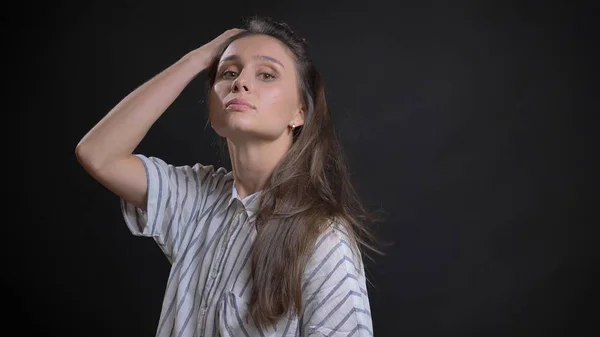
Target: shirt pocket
{"points": [[232, 320]]}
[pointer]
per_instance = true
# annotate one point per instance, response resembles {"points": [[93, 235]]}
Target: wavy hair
{"points": [[309, 188]]}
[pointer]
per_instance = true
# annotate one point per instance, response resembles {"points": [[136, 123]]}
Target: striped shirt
{"points": [[206, 232]]}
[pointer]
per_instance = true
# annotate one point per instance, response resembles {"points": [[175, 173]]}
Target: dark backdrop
{"points": [[462, 120]]}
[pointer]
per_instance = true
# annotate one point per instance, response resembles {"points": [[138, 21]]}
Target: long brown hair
{"points": [[309, 188]]}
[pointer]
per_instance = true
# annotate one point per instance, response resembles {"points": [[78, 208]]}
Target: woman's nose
{"points": [[240, 84]]}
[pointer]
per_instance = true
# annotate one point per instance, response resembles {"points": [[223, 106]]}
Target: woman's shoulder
{"points": [[337, 238], [196, 178], [337, 230], [196, 168]]}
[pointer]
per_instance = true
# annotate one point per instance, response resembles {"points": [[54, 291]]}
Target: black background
{"points": [[464, 121]]}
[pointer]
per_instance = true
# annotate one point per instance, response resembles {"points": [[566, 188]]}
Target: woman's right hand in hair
{"points": [[106, 151], [205, 54]]}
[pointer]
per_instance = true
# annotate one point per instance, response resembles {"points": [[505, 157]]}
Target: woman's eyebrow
{"points": [[257, 57]]}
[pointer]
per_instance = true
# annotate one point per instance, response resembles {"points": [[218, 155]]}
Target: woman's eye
{"points": [[229, 74], [267, 76]]}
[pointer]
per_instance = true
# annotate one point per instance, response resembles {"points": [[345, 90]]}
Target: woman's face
{"points": [[259, 71]]}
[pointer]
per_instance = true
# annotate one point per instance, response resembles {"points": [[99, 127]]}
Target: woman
{"points": [[272, 247]]}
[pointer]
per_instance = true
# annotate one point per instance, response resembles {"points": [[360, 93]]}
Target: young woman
{"points": [[274, 246]]}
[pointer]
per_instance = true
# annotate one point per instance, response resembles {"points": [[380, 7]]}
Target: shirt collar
{"points": [[250, 202]]}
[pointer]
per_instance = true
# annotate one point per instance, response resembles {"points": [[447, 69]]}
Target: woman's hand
{"points": [[204, 55]]}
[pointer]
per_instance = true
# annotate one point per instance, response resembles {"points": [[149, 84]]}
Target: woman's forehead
{"points": [[258, 48]]}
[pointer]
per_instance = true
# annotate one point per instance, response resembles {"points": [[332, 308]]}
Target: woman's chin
{"points": [[245, 132], [232, 127], [236, 131]]}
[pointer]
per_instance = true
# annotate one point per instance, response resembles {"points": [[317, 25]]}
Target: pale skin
{"points": [[260, 70], [257, 138]]}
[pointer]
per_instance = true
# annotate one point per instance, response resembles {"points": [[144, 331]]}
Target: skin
{"points": [[260, 70], [257, 139]]}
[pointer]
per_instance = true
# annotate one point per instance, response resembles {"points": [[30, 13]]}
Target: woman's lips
{"points": [[238, 104]]}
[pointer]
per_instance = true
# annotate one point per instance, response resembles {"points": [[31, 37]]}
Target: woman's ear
{"points": [[299, 117]]}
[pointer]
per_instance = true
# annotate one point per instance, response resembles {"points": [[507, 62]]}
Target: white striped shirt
{"points": [[196, 217]]}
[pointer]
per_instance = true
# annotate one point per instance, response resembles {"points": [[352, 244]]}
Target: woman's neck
{"points": [[253, 163]]}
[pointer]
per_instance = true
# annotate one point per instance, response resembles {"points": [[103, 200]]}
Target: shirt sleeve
{"points": [[336, 301], [176, 195]]}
